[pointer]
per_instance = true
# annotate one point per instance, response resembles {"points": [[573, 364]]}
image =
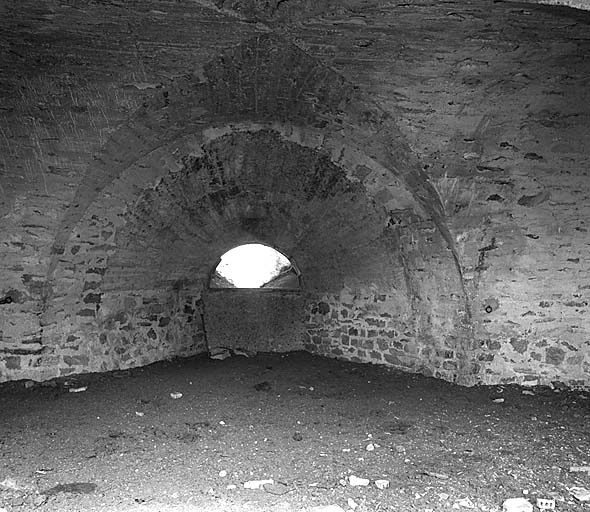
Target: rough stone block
{"points": [[554, 355], [12, 362], [77, 360]]}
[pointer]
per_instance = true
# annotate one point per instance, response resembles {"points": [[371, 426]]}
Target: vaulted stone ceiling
{"points": [[440, 213]]}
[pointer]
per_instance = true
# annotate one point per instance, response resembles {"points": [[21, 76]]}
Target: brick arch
{"points": [[307, 108], [255, 187], [263, 80], [245, 187], [96, 236]]}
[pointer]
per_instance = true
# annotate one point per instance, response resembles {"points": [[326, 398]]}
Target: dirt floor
{"points": [[308, 423]]}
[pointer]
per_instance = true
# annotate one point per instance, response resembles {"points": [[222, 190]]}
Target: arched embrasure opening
{"points": [[254, 301], [255, 266]]}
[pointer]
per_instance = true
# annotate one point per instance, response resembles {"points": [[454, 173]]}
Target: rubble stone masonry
{"points": [[426, 168]]}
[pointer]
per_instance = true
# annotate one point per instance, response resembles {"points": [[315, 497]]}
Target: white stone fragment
{"points": [[382, 484], [465, 503], [357, 481], [244, 352], [219, 353], [580, 493], [257, 484], [10, 483], [517, 505], [327, 508], [352, 504], [545, 504]]}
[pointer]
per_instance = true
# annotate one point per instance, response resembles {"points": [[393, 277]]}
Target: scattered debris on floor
{"points": [[10, 483], [43, 471], [545, 504], [243, 352], [465, 503], [436, 446], [221, 353], [80, 389], [580, 493], [257, 484], [19, 496], [357, 481], [382, 484], [327, 508], [517, 505]]}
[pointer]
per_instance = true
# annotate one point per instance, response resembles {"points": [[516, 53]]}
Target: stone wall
{"points": [[504, 139], [414, 316], [199, 169], [426, 168], [255, 320]]}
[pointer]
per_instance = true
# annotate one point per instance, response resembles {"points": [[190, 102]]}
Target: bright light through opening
{"points": [[251, 265]]}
